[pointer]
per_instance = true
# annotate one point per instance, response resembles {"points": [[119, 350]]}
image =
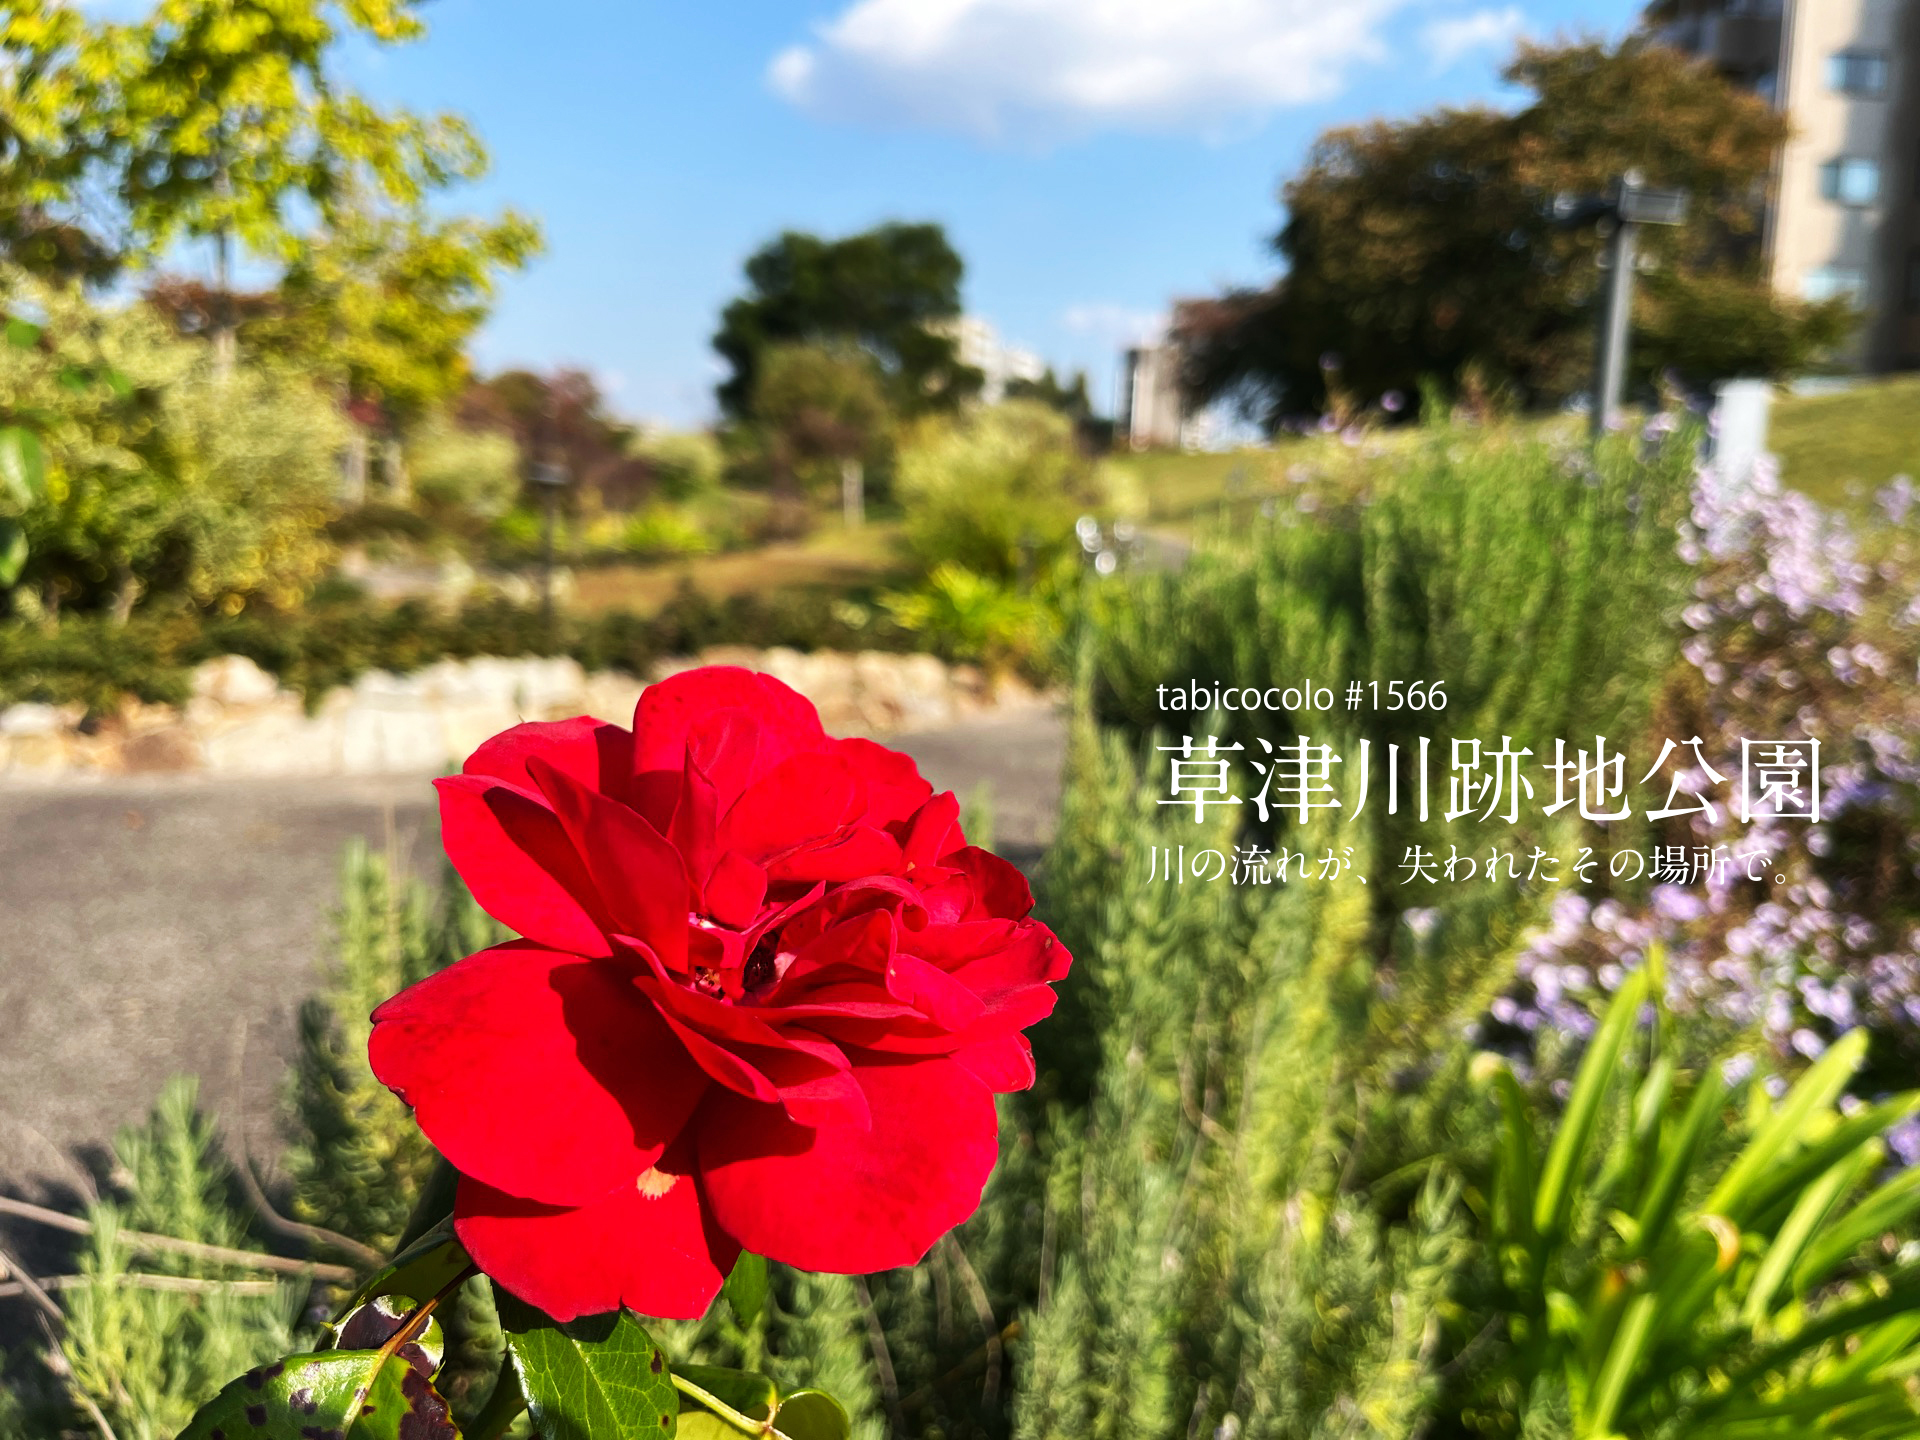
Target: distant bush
{"points": [[995, 492], [685, 464], [964, 616], [164, 481], [458, 471]]}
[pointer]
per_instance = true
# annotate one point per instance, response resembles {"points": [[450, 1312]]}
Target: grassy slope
{"points": [[1840, 448], [831, 555]]}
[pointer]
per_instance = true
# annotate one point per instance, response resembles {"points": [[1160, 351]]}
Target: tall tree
{"points": [[235, 124], [57, 76], [823, 411], [562, 419], [894, 291], [1427, 248], [384, 305]]}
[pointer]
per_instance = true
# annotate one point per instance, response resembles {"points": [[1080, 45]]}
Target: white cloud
{"points": [[1035, 71], [1451, 40]]}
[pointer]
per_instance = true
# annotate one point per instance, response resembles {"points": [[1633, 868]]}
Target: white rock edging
{"points": [[240, 722]]}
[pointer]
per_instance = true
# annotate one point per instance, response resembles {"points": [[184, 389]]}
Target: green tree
{"points": [[893, 290], [231, 113], [160, 479], [824, 414], [56, 77], [1427, 248], [382, 306]]}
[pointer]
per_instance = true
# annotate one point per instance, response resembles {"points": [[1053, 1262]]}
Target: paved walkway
{"points": [[142, 919]]}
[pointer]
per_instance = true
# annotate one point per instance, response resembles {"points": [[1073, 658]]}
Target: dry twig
{"points": [[193, 1249]]}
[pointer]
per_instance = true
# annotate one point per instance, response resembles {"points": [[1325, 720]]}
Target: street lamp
{"points": [[1628, 205], [551, 477]]}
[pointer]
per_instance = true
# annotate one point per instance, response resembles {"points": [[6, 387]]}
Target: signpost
{"points": [[552, 478], [1629, 205]]}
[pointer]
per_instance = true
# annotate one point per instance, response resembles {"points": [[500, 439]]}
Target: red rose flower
{"points": [[765, 996]]}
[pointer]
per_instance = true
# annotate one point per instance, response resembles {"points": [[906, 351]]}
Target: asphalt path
{"points": [[154, 926]]}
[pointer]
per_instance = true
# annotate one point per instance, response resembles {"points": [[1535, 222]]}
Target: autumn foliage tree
{"points": [[1427, 249]]}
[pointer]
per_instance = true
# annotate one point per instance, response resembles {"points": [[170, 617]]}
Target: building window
{"points": [[1861, 73], [1851, 180], [1834, 282]]}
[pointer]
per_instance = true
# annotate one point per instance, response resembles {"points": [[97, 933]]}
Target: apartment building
{"points": [[1844, 217]]}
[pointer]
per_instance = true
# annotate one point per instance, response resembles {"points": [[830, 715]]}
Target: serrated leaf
{"points": [[754, 1396], [23, 466], [746, 1287], [812, 1415], [13, 554], [426, 1267], [596, 1378], [338, 1395]]}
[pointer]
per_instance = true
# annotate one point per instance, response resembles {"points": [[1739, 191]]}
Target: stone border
{"points": [[240, 722]]}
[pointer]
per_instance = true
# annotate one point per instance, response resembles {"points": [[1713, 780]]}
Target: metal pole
{"points": [[546, 559], [1619, 321]]}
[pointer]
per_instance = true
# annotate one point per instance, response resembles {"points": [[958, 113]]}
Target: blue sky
{"points": [[1091, 159]]}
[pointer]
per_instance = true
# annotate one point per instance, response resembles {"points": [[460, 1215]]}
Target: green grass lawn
{"points": [[1841, 448], [832, 555]]}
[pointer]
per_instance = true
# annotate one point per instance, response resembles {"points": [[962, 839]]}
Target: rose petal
{"points": [[515, 857], [850, 1201], [598, 755], [543, 1075], [935, 831], [656, 1254], [893, 785], [933, 992], [636, 874], [668, 711], [807, 799], [735, 890], [1003, 1064]]}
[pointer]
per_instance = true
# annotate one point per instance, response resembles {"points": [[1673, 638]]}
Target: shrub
{"points": [[462, 472], [1541, 587], [964, 616], [1651, 1277], [163, 480], [995, 492], [685, 464], [146, 1358]]}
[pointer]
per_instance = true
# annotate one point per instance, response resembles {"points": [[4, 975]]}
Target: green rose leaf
{"points": [[338, 1395], [812, 1415], [426, 1267], [23, 466], [746, 1287], [596, 1378], [752, 1395], [13, 553]]}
